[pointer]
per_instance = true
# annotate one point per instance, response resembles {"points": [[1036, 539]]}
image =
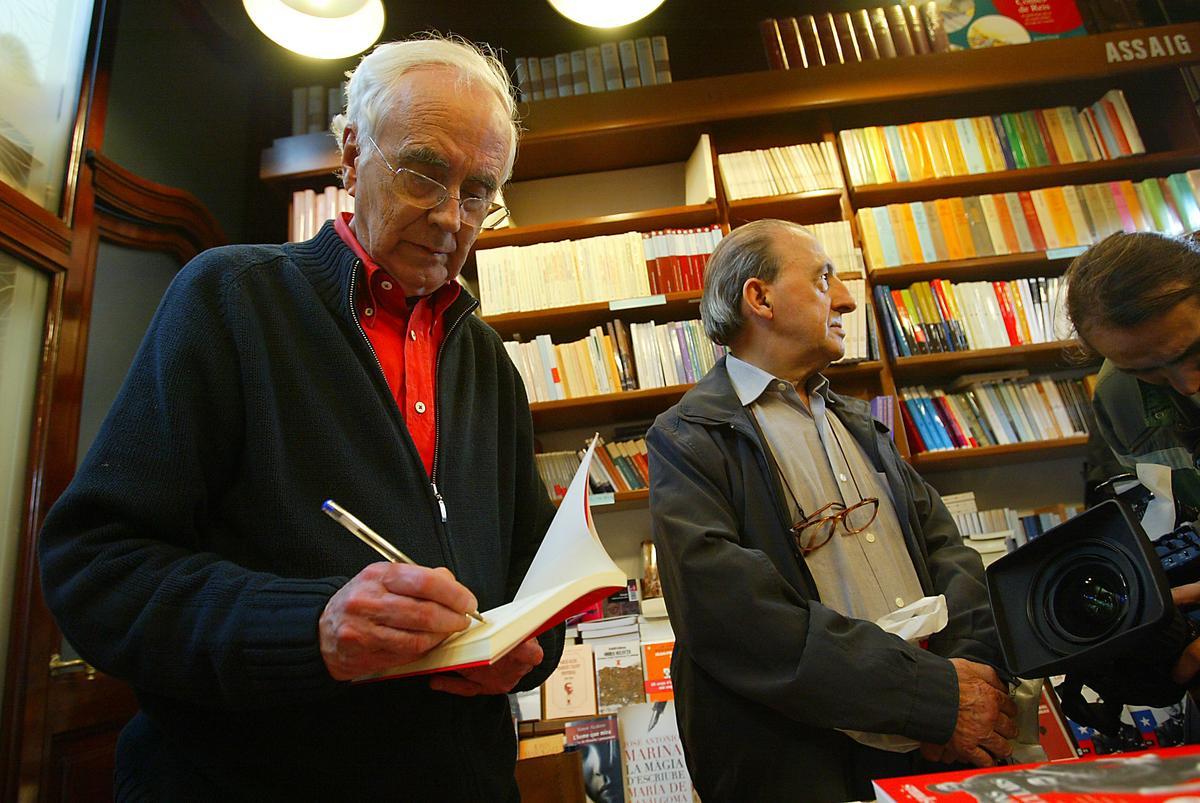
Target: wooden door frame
{"points": [[101, 200]]}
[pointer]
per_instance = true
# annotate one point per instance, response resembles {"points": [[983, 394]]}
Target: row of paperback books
{"points": [[843, 37], [615, 358], [626, 64], [1009, 141], [1005, 408], [1026, 221], [311, 208], [620, 466], [568, 272], [940, 316], [784, 170]]}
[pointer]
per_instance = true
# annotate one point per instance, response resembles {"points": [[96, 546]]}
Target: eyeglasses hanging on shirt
{"points": [[816, 529]]}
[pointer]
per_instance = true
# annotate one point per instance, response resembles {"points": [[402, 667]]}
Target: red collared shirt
{"points": [[405, 340]]}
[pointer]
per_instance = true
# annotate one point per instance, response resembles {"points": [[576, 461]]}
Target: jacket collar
{"points": [[331, 267], [713, 400]]}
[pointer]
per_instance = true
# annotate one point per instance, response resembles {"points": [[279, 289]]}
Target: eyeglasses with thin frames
{"points": [[425, 193], [817, 528]]}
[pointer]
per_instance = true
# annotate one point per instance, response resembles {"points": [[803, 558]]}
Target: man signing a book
{"points": [[786, 524], [190, 555]]}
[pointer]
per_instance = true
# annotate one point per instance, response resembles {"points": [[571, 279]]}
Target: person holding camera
{"points": [[1134, 299]]}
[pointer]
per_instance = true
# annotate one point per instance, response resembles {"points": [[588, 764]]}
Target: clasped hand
{"points": [[391, 614], [986, 719]]}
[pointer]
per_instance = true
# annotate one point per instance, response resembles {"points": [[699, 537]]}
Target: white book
{"points": [[645, 60], [700, 184], [570, 571]]}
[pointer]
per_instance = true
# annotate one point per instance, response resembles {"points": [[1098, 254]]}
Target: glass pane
{"points": [[23, 294], [128, 286], [42, 50]]}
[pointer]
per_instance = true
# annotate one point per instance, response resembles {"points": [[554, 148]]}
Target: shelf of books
{"points": [[952, 190], [671, 306], [1000, 455], [677, 217], [1057, 354]]}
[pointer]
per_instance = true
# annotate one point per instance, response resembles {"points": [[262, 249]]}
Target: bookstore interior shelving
{"points": [[612, 163]]}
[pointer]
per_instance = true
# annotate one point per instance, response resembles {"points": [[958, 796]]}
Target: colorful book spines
{"points": [[1027, 221], [974, 145], [993, 412]]}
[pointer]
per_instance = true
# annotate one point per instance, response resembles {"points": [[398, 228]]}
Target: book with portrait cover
{"points": [[655, 770], [569, 573], [603, 770], [1155, 775]]}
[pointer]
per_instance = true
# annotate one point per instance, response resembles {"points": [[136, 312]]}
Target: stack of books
{"points": [[844, 37], [1009, 141], [993, 410], [626, 64], [606, 268], [1021, 222], [786, 170], [939, 316]]}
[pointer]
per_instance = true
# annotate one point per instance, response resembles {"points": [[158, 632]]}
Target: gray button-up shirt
{"points": [[862, 576]]}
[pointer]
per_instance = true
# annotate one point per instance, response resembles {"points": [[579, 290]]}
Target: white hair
{"points": [[371, 84]]}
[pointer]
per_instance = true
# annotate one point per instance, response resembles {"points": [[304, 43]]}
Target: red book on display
{"points": [[1171, 773]]}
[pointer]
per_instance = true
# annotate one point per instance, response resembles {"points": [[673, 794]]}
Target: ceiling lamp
{"points": [[608, 14], [323, 29]]}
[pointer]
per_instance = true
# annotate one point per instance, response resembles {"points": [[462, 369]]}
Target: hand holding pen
{"points": [[373, 539], [388, 615]]}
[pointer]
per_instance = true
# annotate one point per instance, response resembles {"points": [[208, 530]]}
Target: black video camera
{"points": [[1091, 599]]}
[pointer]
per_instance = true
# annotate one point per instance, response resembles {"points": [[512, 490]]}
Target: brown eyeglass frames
{"points": [[816, 529]]}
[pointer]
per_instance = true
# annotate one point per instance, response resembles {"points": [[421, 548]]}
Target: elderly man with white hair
{"points": [[190, 556]]}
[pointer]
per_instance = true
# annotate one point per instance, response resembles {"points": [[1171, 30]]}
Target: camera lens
{"points": [[1089, 601]]}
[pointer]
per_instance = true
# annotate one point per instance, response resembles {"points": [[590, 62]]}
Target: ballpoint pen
{"points": [[373, 539]]}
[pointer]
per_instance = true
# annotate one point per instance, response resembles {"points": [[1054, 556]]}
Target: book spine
{"points": [[772, 41], [662, 59], [629, 64]]}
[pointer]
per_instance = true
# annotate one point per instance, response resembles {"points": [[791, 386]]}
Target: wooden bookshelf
{"points": [[581, 317], [988, 456], [632, 405], [623, 500], [1133, 168], [660, 124], [1005, 266], [676, 217], [1037, 357], [818, 206]]}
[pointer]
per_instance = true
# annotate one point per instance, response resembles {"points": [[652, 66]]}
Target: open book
{"points": [[570, 572]]}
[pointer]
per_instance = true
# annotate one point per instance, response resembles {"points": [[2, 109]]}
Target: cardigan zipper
{"points": [[437, 421]]}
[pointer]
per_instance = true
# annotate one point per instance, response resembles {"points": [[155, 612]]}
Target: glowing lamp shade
{"points": [[323, 29], [605, 13]]}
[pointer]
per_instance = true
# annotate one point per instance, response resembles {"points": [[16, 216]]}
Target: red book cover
{"points": [[651, 264], [1047, 140], [1031, 218], [1114, 122], [916, 443], [957, 436], [1053, 733], [1006, 312], [1171, 773]]}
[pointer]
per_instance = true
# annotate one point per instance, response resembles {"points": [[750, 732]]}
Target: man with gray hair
{"points": [[786, 524], [190, 555]]}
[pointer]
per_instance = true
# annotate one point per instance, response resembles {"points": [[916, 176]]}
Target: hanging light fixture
{"points": [[607, 14], [323, 29]]}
